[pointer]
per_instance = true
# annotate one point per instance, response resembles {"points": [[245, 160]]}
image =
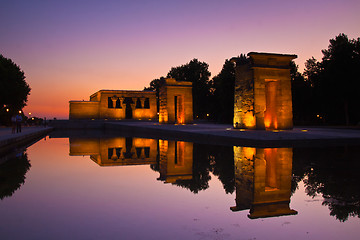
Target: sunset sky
{"points": [[71, 49]]}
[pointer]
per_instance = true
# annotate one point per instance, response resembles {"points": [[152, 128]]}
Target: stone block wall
{"points": [[121, 101], [263, 92], [177, 93], [83, 110]]}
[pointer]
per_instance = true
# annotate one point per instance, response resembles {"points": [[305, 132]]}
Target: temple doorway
{"points": [[179, 109], [271, 93], [128, 108]]}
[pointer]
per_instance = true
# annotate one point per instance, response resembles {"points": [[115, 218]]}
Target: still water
{"points": [[140, 188]]}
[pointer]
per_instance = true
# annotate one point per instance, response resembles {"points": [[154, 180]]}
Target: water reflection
{"points": [[263, 181], [13, 168], [116, 151], [262, 178], [175, 161], [332, 173]]}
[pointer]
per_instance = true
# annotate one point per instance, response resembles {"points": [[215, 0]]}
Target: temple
{"points": [[116, 104], [263, 181], [262, 97], [176, 102]]}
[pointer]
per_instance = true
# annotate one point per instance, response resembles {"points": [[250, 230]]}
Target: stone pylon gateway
{"points": [[263, 92], [176, 102]]}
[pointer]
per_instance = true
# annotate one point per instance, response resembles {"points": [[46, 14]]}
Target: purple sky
{"points": [[71, 49]]}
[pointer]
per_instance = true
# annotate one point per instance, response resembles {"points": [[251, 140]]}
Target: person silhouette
{"points": [[13, 123], [18, 123]]}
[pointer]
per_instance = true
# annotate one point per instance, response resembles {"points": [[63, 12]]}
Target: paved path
{"points": [[223, 133], [28, 134]]}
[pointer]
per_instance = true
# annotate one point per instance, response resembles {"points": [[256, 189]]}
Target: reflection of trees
{"points": [[216, 159], [333, 173], [12, 173], [222, 165], [201, 177]]}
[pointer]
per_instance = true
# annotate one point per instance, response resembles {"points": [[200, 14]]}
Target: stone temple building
{"points": [[176, 102], [263, 92], [115, 104]]}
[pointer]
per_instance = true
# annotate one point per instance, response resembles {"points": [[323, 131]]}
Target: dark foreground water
{"points": [[137, 188]]}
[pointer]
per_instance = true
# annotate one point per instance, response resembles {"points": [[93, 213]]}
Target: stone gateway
{"points": [[263, 92]]}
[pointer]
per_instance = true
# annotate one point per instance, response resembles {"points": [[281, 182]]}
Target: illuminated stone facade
{"points": [[116, 151], [176, 102], [115, 104], [263, 92], [263, 181]]}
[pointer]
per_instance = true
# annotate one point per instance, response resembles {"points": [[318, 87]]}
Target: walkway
{"points": [[28, 134]]}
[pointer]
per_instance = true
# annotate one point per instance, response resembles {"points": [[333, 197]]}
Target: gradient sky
{"points": [[71, 49]]}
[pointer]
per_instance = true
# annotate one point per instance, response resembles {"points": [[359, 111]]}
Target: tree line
{"points": [[326, 93], [14, 90]]}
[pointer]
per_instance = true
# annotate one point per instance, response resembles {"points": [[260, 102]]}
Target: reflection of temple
{"points": [[176, 161], [173, 159], [116, 151], [263, 181]]}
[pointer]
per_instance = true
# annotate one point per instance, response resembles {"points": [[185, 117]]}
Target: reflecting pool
{"points": [[106, 187]]}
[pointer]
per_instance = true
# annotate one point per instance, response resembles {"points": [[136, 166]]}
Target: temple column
{"points": [[114, 99]]}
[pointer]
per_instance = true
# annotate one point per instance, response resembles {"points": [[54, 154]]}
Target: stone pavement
{"points": [[28, 134], [225, 134]]}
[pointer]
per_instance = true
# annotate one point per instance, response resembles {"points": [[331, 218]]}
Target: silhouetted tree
{"points": [[335, 80], [13, 88], [223, 91], [155, 86], [303, 97], [196, 72]]}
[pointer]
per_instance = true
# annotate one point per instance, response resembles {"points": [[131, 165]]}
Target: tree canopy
{"points": [[327, 91], [14, 90], [196, 72], [335, 81]]}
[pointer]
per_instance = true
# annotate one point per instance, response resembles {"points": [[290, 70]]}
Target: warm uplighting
{"points": [[249, 120]]}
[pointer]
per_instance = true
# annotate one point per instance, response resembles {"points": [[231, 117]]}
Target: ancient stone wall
{"points": [[116, 104], [263, 92], [176, 102], [83, 109]]}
